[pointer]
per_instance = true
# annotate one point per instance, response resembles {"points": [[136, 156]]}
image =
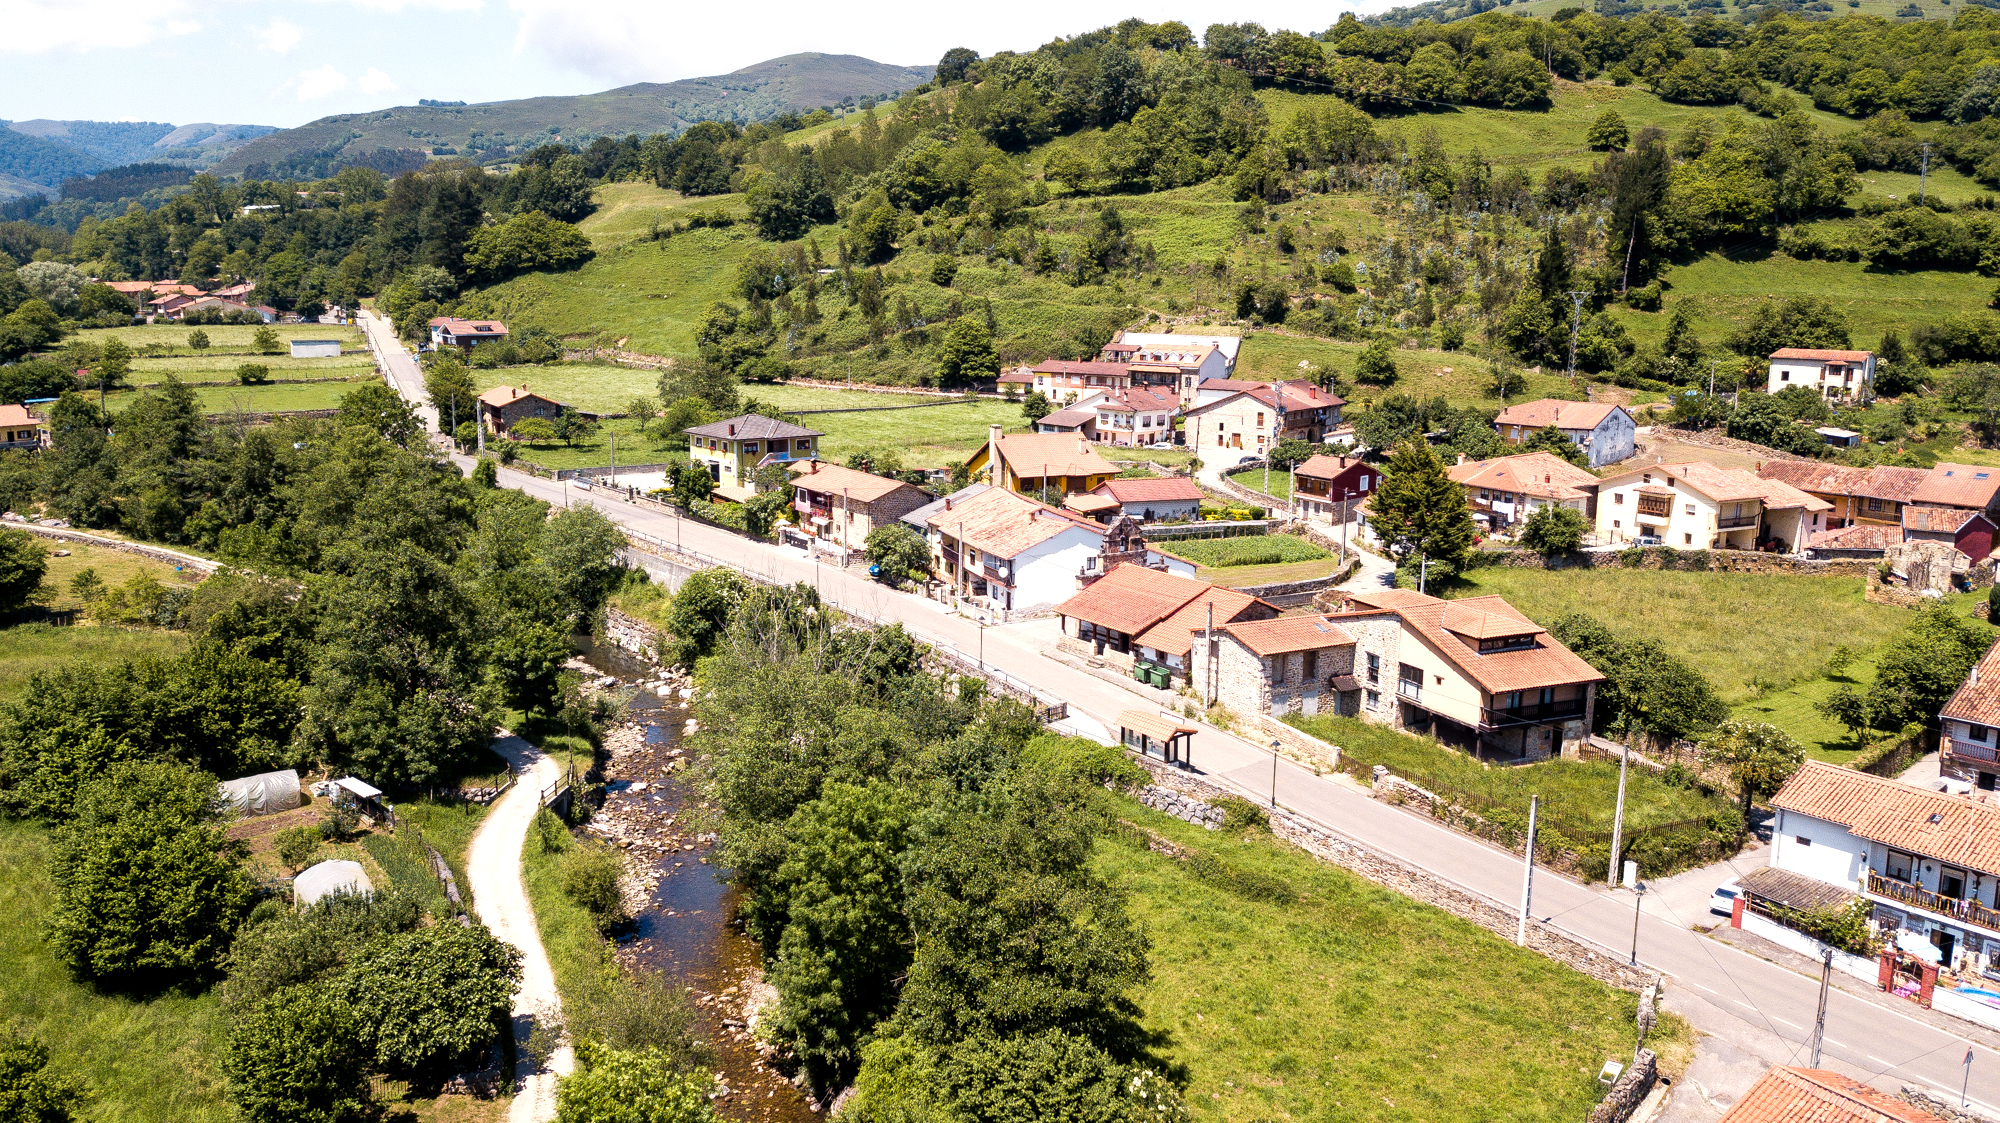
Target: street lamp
{"points": [[1274, 773]]}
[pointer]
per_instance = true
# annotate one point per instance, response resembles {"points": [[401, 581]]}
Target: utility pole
{"points": [[614, 456], [1208, 657], [1277, 430], [1711, 376], [1819, 1023], [1528, 872], [1924, 176], [1638, 896], [1618, 818], [1575, 326], [1345, 495], [1423, 573]]}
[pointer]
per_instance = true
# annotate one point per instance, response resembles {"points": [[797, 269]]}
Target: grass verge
{"points": [[1352, 1002]]}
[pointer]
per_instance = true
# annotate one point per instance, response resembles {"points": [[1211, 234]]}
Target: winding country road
{"points": [[1755, 1009]]}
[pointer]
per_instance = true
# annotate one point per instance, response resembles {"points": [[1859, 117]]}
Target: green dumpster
{"points": [[1161, 675], [1139, 669]]}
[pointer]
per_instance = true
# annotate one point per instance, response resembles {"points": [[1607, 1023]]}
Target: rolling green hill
{"points": [[395, 137]]}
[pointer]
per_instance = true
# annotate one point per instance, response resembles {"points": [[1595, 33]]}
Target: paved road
{"points": [[1762, 1009], [493, 866]]}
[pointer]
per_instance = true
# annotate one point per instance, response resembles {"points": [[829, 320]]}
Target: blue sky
{"points": [[286, 64]]}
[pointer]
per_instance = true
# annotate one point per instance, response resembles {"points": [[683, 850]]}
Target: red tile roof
{"points": [[1547, 663], [1796, 1094], [14, 416], [1287, 634], [1020, 375], [836, 481], [1821, 355], [1553, 411], [507, 395], [1090, 503], [1959, 485], [1949, 828], [1130, 598], [1879, 482], [1035, 455], [1725, 485], [1861, 536], [1540, 474], [1977, 699], [1938, 520], [452, 325], [1152, 725], [1297, 395], [1006, 523], [1162, 489], [1065, 366], [1324, 467], [1135, 400], [1175, 634]]}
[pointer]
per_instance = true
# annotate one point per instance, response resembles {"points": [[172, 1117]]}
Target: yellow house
{"points": [[1032, 463], [733, 449]]}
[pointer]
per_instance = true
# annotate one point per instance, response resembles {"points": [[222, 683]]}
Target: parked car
{"points": [[1723, 900], [1161, 445], [1249, 460], [1646, 540]]}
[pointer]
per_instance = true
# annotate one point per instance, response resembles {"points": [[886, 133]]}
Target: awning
{"points": [[1346, 682], [1919, 946], [1155, 726]]}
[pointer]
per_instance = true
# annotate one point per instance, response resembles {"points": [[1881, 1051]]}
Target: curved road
{"points": [[1759, 1008]]}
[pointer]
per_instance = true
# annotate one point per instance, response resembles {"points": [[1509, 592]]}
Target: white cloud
{"points": [[39, 26], [643, 40], [376, 82], [279, 37], [321, 82]]}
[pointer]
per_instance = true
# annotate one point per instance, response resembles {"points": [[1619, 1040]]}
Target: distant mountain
{"points": [[406, 136], [46, 152]]}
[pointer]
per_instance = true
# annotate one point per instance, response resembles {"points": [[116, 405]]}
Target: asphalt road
{"points": [[1758, 1007]]}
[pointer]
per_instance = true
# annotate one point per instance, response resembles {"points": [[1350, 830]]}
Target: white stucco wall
{"points": [[1046, 573], [1828, 853]]}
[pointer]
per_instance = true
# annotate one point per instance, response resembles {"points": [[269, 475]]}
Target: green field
{"points": [[212, 367], [272, 397], [1277, 484], [232, 339], [28, 648], [1746, 632], [154, 1061], [1351, 1002], [1260, 550]]}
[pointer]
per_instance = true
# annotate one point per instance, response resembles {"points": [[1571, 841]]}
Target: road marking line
{"points": [[1842, 1044], [1692, 983], [1794, 1025], [1880, 1061], [1743, 1004]]}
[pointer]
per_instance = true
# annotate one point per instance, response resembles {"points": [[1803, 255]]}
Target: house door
{"points": [[715, 471], [1946, 943], [1951, 883]]}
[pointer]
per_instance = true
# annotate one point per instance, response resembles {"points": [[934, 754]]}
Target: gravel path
{"points": [[493, 865]]}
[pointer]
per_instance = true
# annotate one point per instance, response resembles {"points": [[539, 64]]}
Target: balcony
{"points": [[1647, 510], [1971, 750], [1902, 892], [1560, 710], [1413, 689], [1731, 522], [998, 576]]}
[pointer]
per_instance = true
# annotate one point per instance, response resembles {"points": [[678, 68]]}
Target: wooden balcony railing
{"points": [[1971, 912], [1971, 750], [1730, 522]]}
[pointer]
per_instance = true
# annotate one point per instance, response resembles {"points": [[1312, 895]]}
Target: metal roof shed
{"points": [[326, 878], [262, 794], [360, 788]]}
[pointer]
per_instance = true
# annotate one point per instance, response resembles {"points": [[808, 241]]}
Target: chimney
{"points": [[993, 436], [1461, 459], [947, 502], [732, 430]]}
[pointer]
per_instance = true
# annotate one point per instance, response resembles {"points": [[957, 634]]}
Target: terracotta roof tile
{"points": [[752, 427], [1937, 520], [1879, 482], [1725, 485], [1792, 890], [14, 416], [1861, 536], [507, 395], [1090, 503], [834, 480], [1064, 366], [1287, 634], [1131, 598], [1159, 489], [1540, 474], [1134, 400], [1978, 697], [1949, 828], [1554, 411], [1035, 455], [455, 326], [1175, 634], [1959, 485], [1069, 418], [1324, 467], [1152, 725], [1796, 1094], [1821, 355], [1005, 523], [1547, 663]]}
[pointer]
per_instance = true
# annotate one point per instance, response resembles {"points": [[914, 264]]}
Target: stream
{"points": [[682, 907]]}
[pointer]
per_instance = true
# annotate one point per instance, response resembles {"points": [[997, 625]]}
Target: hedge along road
{"points": [[1756, 1005]]}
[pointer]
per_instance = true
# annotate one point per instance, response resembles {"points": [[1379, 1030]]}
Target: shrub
{"points": [[434, 999], [296, 846], [265, 341], [29, 1092], [1695, 559], [1645, 298], [251, 374], [299, 1056], [630, 1086], [1632, 558], [590, 878], [1240, 815]]}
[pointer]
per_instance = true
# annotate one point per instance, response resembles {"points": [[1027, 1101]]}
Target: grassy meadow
{"points": [[1261, 549], [1348, 1001], [223, 339], [28, 648]]}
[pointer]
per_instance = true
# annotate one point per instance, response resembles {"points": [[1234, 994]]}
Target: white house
{"points": [[450, 331], [1970, 723], [1838, 376], [1926, 861], [1698, 506], [1606, 433], [1010, 552]]}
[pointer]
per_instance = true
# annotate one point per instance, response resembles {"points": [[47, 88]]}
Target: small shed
{"points": [[361, 795], [1838, 438], [262, 794], [315, 348], [327, 878], [1156, 736]]}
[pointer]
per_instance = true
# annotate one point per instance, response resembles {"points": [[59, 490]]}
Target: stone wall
{"points": [[629, 633], [1304, 746], [1630, 1090], [1654, 557], [1181, 806], [157, 553], [1422, 885], [1944, 1105]]}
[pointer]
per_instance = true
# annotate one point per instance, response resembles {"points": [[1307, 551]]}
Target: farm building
{"points": [[262, 794]]}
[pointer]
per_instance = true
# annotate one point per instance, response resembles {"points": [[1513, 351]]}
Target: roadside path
{"points": [[493, 866], [1760, 1008]]}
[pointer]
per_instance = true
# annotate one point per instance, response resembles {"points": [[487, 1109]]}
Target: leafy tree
{"points": [[1036, 406], [1694, 409], [296, 846], [1608, 131], [1376, 364], [763, 511], [787, 193], [526, 660], [1759, 757], [967, 354], [31, 327], [114, 363], [1848, 707], [265, 341], [23, 563], [630, 1086], [148, 890], [252, 374], [198, 339], [1291, 452], [29, 1091], [533, 430], [700, 612], [570, 426], [299, 1055], [449, 385], [433, 999], [87, 586], [590, 878], [956, 65], [1420, 512], [1555, 442], [1647, 686], [1554, 530], [1802, 321], [526, 243], [899, 550], [1916, 673], [58, 285], [692, 484]]}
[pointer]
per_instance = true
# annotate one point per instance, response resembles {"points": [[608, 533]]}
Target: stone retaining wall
{"points": [[1717, 561], [1941, 1104], [157, 553], [1186, 808], [1422, 885], [1308, 748], [629, 633], [1630, 1090]]}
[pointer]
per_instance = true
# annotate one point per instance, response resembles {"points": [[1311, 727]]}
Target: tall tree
{"points": [[1421, 513]]}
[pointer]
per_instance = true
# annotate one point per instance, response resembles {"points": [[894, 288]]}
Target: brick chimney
{"points": [[732, 430]]}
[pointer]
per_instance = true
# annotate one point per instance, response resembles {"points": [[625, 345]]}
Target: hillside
{"points": [[390, 138], [45, 152]]}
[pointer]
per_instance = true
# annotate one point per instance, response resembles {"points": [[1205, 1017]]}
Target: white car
{"points": [[1723, 900], [1161, 445], [1249, 460]]}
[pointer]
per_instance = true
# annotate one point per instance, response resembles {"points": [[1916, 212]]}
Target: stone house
{"points": [[1172, 364], [1135, 417], [733, 449], [1330, 488], [1003, 549], [1856, 496], [1137, 614], [1155, 499], [1250, 422], [1051, 464], [503, 406], [1697, 506], [842, 506], [1839, 376], [1505, 490], [1970, 532], [1605, 433], [1475, 672]]}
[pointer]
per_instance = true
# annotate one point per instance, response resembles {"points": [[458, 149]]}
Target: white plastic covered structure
{"points": [[337, 876], [262, 794]]}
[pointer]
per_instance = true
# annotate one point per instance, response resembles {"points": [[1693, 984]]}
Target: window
{"points": [[750, 448], [1898, 865], [1513, 699], [1802, 840], [1978, 733], [1364, 483], [1687, 539], [1309, 667], [1784, 376], [1483, 495], [1614, 524], [1690, 508], [1374, 700], [803, 444], [1986, 781], [1874, 504], [1374, 669], [1618, 498]]}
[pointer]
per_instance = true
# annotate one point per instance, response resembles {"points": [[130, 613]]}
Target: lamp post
{"points": [[1274, 773]]}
